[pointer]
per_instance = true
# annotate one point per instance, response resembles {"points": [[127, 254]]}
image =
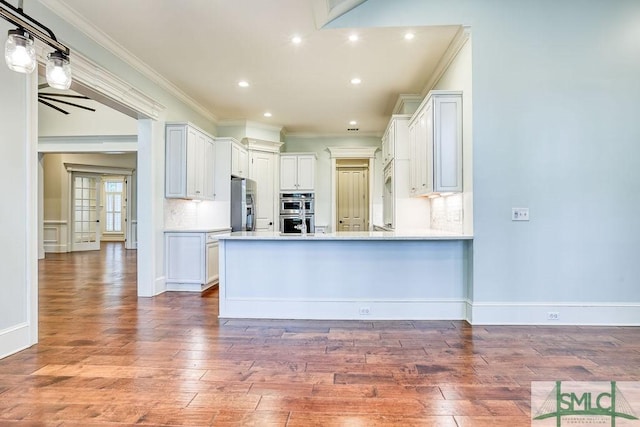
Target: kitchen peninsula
{"points": [[345, 275]]}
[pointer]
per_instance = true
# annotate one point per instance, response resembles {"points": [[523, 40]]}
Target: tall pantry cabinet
{"points": [[435, 136]]}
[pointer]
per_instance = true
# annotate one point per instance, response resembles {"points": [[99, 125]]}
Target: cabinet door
{"points": [[213, 270], [306, 171], [235, 160], [209, 169], [243, 163], [385, 147], [447, 144], [195, 164], [175, 162], [185, 261], [413, 158], [391, 141], [288, 172], [262, 171]]}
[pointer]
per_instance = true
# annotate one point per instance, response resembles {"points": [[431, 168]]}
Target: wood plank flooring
{"points": [[106, 357]]}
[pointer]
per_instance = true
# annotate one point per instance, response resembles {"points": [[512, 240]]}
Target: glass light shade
{"points": [[58, 71], [19, 52]]}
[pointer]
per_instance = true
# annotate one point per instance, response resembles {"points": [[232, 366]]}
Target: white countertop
{"points": [[197, 230], [349, 235]]}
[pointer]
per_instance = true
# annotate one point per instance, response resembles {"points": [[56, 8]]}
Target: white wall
{"points": [[318, 145], [13, 173], [104, 121], [555, 129]]}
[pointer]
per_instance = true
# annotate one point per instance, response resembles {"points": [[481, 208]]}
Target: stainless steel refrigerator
{"points": [[243, 208]]}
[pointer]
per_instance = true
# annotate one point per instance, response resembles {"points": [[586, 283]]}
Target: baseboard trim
{"points": [[55, 248], [581, 314], [344, 309], [14, 339]]}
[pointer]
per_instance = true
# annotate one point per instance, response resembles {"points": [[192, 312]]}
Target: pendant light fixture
{"points": [[20, 54], [58, 70]]}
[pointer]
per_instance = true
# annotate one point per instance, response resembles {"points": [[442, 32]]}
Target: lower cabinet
{"points": [[191, 260]]}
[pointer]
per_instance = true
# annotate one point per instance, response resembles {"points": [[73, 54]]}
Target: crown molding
{"points": [[313, 135], [458, 42], [262, 145], [85, 27], [326, 11], [404, 99], [352, 152]]}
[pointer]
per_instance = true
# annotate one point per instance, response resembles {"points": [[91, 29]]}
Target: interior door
{"points": [[85, 232], [353, 198]]}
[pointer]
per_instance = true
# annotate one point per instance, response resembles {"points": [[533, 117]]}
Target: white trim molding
{"points": [[54, 236], [88, 144], [353, 152], [326, 11], [458, 42], [555, 313], [14, 339]]}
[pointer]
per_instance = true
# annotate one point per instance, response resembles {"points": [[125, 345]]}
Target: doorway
{"points": [[358, 165], [352, 177]]}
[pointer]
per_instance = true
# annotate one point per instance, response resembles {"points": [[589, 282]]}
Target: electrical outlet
{"points": [[365, 311], [519, 214], [553, 315]]}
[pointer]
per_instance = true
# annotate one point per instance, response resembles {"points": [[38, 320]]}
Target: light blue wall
{"points": [[556, 96]]}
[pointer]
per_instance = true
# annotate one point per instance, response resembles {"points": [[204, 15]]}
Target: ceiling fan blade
{"points": [[53, 106], [43, 85], [65, 102], [64, 95]]}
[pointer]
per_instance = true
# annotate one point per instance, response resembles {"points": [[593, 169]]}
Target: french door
{"points": [[85, 214]]}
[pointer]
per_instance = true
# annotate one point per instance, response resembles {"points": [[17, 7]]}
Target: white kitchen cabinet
{"points": [[396, 170], [191, 260], [436, 144], [239, 160], [231, 160], [297, 171], [189, 163]]}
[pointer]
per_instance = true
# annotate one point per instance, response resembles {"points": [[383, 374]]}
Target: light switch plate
{"points": [[519, 214]]}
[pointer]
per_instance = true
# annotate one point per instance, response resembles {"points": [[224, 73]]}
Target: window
{"points": [[113, 190]]}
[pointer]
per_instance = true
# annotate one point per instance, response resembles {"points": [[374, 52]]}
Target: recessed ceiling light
{"points": [[353, 123], [353, 38], [296, 39], [267, 114], [356, 81], [243, 83], [409, 36]]}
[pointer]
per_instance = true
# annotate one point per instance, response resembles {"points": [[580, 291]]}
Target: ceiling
{"points": [[205, 47]]}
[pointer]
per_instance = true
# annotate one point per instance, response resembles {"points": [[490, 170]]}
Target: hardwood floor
{"points": [[106, 357]]}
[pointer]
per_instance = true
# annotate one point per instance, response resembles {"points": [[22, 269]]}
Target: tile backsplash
{"points": [[180, 213], [447, 213]]}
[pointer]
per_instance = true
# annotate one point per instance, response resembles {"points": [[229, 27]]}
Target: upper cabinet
{"points": [[297, 171], [435, 135], [189, 163], [239, 160]]}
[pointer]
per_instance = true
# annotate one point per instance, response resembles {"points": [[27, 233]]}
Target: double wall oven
{"points": [[291, 212]]}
